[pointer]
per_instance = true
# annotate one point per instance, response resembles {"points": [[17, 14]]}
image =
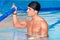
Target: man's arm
{"points": [[41, 27], [17, 23], [44, 26]]}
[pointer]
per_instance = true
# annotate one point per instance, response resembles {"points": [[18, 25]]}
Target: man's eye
{"points": [[29, 9]]}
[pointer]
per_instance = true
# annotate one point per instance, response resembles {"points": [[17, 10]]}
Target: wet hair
{"points": [[35, 5]]}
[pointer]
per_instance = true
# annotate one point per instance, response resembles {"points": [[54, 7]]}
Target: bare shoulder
{"points": [[44, 23]]}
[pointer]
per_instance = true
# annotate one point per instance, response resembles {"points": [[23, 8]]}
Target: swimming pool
{"points": [[8, 32]]}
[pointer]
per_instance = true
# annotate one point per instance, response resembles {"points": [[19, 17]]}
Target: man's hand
{"points": [[13, 6]]}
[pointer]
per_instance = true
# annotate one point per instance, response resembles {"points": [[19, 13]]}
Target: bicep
{"points": [[21, 24], [44, 26]]}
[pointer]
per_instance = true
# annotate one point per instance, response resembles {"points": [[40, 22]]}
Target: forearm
{"points": [[15, 19], [17, 23]]}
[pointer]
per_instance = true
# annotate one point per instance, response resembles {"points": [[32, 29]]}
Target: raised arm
{"points": [[16, 22]]}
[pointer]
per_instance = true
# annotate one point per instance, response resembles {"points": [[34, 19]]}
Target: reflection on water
{"points": [[21, 36], [37, 38]]}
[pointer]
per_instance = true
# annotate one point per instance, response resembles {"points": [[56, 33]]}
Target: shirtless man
{"points": [[37, 26]]}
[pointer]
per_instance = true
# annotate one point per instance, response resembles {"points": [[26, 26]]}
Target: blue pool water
{"points": [[8, 32]]}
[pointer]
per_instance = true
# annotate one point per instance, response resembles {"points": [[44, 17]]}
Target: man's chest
{"points": [[31, 24]]}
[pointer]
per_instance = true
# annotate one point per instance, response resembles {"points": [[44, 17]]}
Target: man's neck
{"points": [[34, 17]]}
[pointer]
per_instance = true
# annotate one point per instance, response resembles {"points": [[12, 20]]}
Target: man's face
{"points": [[31, 11]]}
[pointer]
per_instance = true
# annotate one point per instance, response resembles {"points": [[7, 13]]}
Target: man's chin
{"points": [[29, 15]]}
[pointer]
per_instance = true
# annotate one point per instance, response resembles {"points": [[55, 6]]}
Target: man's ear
{"points": [[36, 11]]}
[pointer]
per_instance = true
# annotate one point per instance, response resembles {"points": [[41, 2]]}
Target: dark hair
{"points": [[35, 5]]}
